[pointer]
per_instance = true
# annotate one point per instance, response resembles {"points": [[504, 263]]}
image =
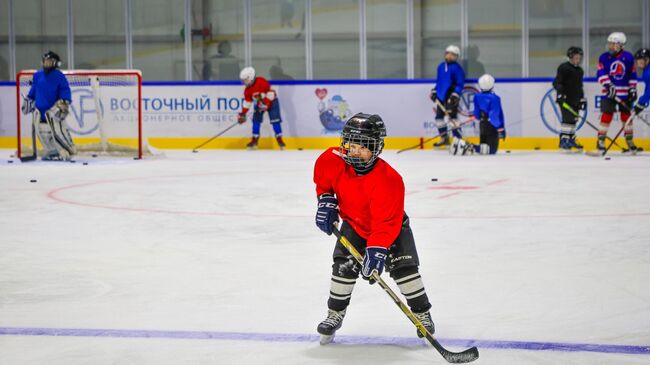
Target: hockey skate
{"points": [[574, 144], [427, 322], [443, 142], [632, 148], [327, 328], [280, 142], [252, 145], [568, 144]]}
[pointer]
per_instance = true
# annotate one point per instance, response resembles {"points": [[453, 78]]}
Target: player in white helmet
{"points": [[448, 90], [487, 109], [259, 95]]}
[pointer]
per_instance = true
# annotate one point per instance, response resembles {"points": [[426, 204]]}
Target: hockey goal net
{"points": [[105, 117]]}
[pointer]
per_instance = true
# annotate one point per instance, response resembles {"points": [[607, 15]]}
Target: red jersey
{"points": [[261, 91], [373, 204]]}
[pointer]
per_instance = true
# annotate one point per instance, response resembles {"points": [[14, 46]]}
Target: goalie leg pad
{"points": [[46, 137], [61, 145]]}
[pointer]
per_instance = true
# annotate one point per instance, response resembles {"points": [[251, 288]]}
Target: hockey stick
{"points": [[434, 137], [468, 355], [602, 154], [629, 109], [211, 139], [577, 115]]}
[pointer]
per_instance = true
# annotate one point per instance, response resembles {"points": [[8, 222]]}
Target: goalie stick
{"points": [[215, 136], [468, 355]]}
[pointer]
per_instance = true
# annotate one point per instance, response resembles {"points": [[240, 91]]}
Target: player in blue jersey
{"points": [[487, 109], [48, 101], [617, 75], [449, 88], [642, 57]]}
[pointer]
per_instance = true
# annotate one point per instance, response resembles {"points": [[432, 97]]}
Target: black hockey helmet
{"points": [[574, 51], [642, 53], [366, 130], [52, 56]]}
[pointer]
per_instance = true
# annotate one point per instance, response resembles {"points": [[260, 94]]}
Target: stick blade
{"points": [[466, 356]]}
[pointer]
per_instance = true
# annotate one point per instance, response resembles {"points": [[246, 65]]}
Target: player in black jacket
{"points": [[568, 87]]}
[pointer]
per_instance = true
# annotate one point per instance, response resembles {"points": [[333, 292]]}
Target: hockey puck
{"points": [[537, 148], [434, 179], [94, 155], [195, 151], [299, 149], [85, 163], [507, 151], [32, 181], [10, 161], [608, 158], [12, 156], [73, 161]]}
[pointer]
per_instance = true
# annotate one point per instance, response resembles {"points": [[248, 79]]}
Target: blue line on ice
{"points": [[341, 339]]}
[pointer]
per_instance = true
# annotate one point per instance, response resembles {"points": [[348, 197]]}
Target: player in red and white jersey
{"points": [[617, 75], [259, 96], [368, 194]]}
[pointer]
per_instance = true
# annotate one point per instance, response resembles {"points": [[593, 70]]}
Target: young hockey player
{"points": [[642, 57], [262, 98], [49, 100], [568, 87], [448, 90], [368, 194], [617, 75], [488, 110]]}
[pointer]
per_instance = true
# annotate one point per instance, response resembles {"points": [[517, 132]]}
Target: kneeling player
{"points": [[371, 196], [487, 109], [49, 100]]}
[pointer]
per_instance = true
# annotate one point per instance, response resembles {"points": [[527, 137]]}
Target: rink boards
{"points": [[184, 114]]}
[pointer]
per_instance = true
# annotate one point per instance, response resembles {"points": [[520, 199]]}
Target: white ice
{"points": [[529, 246]]}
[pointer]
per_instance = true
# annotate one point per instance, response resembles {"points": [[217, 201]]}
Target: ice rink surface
{"points": [[214, 258]]}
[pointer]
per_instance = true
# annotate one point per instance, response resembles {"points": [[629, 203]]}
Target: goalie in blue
{"points": [[48, 101]]}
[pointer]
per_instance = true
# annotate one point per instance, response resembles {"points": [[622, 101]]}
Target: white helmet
{"points": [[617, 37], [248, 73], [486, 82], [453, 49]]}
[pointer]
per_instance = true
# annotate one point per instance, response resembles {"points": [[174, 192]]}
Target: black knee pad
{"points": [[346, 268]]}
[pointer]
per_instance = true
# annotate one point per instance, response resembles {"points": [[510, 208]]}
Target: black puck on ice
{"points": [[299, 149], [85, 163], [73, 161], [10, 161], [94, 155], [434, 179], [12, 156], [608, 158], [507, 151], [537, 148], [195, 151], [32, 180]]}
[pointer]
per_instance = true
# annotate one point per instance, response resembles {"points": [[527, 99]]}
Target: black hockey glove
{"points": [[561, 98], [638, 108], [501, 133], [453, 100], [611, 91], [631, 96], [327, 213], [373, 260], [433, 95], [583, 104]]}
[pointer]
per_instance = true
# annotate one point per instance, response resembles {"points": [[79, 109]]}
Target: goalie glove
{"points": [[28, 105], [61, 110]]}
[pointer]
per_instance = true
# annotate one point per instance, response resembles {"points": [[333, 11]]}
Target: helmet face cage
{"points": [[375, 145]]}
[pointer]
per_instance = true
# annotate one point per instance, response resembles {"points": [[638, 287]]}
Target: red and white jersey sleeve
{"points": [[373, 204], [259, 91]]}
